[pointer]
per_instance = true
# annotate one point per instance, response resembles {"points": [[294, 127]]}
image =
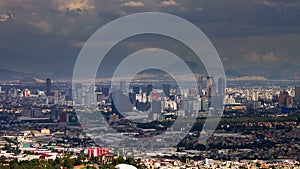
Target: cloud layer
{"points": [[168, 3], [76, 6], [254, 57], [245, 33], [133, 4]]}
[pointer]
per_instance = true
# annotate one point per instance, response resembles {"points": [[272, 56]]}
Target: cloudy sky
{"points": [[46, 36]]}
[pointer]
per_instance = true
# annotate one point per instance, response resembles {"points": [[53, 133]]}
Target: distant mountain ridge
{"points": [[17, 75], [284, 71]]}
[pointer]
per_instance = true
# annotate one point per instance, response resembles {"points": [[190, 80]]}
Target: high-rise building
{"points": [[221, 86], [255, 95], [166, 89], [122, 86], [209, 89], [297, 94], [155, 96], [136, 89], [157, 106], [105, 90], [199, 83], [48, 87], [149, 89], [282, 98], [26, 93], [56, 93], [120, 103], [132, 97], [14, 92], [289, 102], [70, 94], [209, 83]]}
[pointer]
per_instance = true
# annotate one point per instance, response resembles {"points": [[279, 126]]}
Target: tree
{"points": [[79, 160], [14, 164], [130, 161]]}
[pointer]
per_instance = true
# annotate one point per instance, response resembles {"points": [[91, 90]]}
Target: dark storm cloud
{"points": [[46, 36], [241, 18]]}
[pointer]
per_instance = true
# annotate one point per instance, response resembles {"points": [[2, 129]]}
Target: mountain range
{"points": [[16, 75], [285, 71]]}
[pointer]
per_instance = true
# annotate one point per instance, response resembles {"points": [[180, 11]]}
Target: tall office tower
{"points": [[70, 94], [120, 103], [289, 102], [209, 89], [209, 84], [166, 89], [199, 79], [136, 89], [297, 94], [14, 92], [48, 87], [157, 107], [105, 90], [255, 95], [132, 97], [123, 86], [221, 86], [149, 89], [144, 89], [282, 98], [26, 93]]}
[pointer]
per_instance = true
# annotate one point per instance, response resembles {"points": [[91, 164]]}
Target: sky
{"points": [[47, 36]]}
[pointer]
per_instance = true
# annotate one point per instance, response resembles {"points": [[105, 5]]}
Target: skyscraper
{"points": [[136, 89], [166, 89], [105, 90], [199, 83], [209, 85], [157, 107], [209, 88], [120, 103], [255, 95], [122, 86], [221, 86], [297, 93], [149, 89], [70, 94], [48, 87]]}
